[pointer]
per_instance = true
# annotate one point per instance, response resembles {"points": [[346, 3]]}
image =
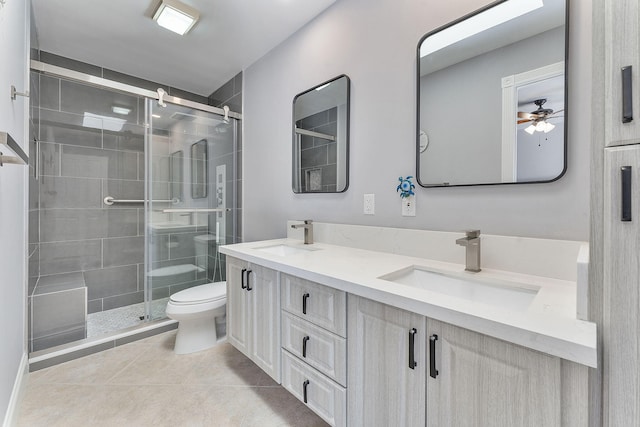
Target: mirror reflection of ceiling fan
{"points": [[538, 118]]}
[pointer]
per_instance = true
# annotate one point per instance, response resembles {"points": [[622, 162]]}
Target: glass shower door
{"points": [[190, 191]]}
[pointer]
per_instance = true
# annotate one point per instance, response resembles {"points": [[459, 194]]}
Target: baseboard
{"points": [[19, 387]]}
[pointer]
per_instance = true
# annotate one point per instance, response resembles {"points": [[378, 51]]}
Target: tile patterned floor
{"points": [[109, 321], [146, 383]]}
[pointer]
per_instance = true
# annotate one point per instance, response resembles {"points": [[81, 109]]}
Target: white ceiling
{"points": [[120, 35]]}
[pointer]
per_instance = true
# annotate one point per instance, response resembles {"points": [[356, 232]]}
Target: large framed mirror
{"points": [[321, 138], [492, 96]]}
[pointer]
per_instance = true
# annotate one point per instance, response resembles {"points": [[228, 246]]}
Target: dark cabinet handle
{"points": [[433, 372], [412, 349], [627, 95], [304, 389], [625, 175], [304, 303], [304, 346], [244, 286], [249, 281]]}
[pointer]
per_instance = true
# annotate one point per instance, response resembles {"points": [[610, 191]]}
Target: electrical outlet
{"points": [[369, 204], [409, 206]]}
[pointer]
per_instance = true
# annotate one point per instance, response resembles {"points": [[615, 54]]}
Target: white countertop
{"points": [[548, 325]]}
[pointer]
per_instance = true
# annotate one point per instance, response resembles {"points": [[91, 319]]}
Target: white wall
{"points": [[13, 196], [374, 42]]}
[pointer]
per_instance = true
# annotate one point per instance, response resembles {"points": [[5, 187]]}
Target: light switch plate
{"points": [[409, 206], [369, 204]]}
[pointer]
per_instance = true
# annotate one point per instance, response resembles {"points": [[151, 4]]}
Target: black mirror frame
{"points": [[293, 130]]}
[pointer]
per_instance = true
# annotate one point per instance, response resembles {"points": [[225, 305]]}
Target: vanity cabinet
{"points": [[253, 314], [482, 381], [314, 346], [387, 365]]}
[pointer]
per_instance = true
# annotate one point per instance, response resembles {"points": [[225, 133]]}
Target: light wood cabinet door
{"points": [[622, 42], [621, 290], [237, 306], [382, 389], [482, 382], [264, 297]]}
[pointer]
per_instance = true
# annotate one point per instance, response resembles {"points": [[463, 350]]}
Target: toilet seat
{"points": [[202, 294]]}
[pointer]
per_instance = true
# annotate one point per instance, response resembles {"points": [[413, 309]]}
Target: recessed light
{"points": [[121, 110], [176, 16]]}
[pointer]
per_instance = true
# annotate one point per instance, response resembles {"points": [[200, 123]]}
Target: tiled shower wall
{"points": [[319, 154], [78, 245]]}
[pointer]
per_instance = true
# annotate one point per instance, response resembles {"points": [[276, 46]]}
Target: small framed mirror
{"points": [[321, 138], [199, 173], [492, 96], [176, 175]]}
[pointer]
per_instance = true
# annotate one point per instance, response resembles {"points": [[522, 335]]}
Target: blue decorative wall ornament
{"points": [[405, 187]]}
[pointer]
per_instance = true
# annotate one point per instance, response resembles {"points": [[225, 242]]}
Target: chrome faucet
{"points": [[471, 242], [308, 230]]}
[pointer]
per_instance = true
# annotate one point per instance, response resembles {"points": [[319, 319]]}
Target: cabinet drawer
{"points": [[324, 397], [324, 351], [321, 305]]}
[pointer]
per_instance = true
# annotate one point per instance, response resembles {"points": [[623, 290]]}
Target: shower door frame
{"points": [[100, 82]]}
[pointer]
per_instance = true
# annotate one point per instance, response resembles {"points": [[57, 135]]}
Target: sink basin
{"points": [[509, 295], [286, 250]]}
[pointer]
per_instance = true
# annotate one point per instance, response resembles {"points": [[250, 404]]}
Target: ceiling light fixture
{"points": [[176, 16], [489, 18], [539, 126]]}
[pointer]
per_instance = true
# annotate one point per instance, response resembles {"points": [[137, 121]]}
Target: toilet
{"points": [[200, 310]]}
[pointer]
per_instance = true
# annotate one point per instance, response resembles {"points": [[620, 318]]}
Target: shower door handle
{"points": [[249, 288], [244, 270]]}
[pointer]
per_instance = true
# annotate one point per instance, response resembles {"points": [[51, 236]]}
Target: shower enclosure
{"points": [[129, 202]]}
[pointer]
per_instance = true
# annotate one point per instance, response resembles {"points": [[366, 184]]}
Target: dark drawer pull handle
{"points": [[304, 303], [304, 388], [244, 286], [412, 345], [304, 346], [249, 281], [627, 95], [625, 175], [433, 372]]}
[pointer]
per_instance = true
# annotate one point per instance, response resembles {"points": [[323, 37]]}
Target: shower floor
{"points": [[109, 321]]}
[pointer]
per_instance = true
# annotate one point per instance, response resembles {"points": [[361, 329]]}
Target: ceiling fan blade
{"points": [[523, 121], [528, 116]]}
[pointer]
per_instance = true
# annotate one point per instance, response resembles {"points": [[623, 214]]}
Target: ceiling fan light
{"points": [[176, 16], [530, 129], [548, 127]]}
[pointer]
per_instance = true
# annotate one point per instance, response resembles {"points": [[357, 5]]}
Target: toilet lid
{"points": [[200, 294]]}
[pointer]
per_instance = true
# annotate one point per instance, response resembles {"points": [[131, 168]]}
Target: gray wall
{"points": [[381, 65], [461, 110], [14, 53]]}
